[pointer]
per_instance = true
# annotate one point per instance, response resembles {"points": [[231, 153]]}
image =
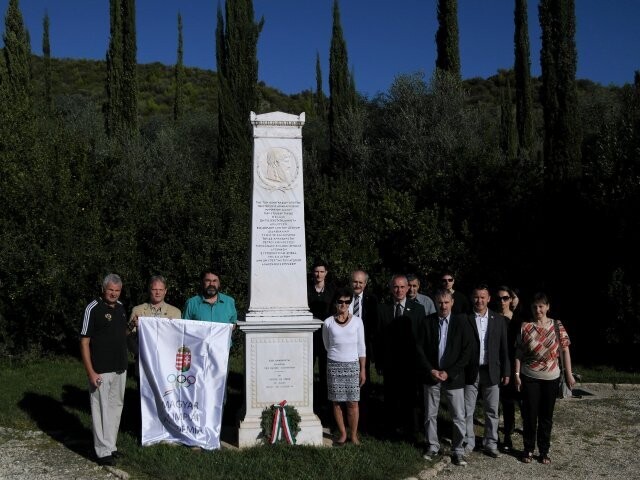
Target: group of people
{"points": [[107, 334], [444, 344], [425, 346]]}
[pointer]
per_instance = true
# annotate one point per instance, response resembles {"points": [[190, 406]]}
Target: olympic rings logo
{"points": [[181, 380]]}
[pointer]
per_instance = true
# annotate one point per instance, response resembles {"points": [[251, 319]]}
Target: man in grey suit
{"points": [[489, 366], [443, 352]]}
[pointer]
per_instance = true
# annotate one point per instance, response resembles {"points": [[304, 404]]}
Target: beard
{"points": [[210, 292]]}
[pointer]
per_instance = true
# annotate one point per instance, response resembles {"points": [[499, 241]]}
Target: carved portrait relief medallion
{"points": [[277, 169]]}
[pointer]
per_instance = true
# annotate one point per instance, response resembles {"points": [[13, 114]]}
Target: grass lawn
{"points": [[51, 394]]}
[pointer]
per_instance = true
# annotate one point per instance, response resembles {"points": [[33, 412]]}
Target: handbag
{"points": [[563, 389]]}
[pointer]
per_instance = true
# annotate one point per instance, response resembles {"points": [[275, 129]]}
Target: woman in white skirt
{"points": [[343, 336]]}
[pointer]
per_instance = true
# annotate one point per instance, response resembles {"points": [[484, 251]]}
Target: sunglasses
{"points": [[343, 302], [506, 298], [448, 280]]}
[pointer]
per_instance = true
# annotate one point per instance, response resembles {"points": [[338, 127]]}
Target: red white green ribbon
{"points": [[280, 426]]}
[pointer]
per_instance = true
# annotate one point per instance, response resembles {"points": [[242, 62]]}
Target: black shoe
{"points": [[459, 460], [507, 445], [117, 454], [106, 461], [491, 453]]}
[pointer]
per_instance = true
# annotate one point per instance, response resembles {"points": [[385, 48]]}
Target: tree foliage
{"points": [[448, 58], [341, 91], [46, 54], [236, 54], [178, 102], [427, 186], [522, 68], [558, 59], [121, 106], [17, 59], [320, 99]]}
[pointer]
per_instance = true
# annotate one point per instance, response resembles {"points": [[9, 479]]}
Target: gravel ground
{"points": [[33, 455], [596, 436]]}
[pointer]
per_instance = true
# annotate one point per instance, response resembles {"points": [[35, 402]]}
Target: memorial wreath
{"points": [[280, 423]]}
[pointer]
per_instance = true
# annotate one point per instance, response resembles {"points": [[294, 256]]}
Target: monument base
{"points": [[279, 366]]}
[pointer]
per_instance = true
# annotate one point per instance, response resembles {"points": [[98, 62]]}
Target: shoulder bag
{"points": [[563, 389]]}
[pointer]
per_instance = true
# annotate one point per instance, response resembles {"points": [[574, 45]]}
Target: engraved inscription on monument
{"points": [[280, 371], [279, 235]]}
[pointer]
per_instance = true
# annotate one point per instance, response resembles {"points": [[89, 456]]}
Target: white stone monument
{"points": [[279, 326]]}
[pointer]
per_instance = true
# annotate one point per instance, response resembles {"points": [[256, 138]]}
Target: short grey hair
{"points": [[397, 276], [366, 275], [157, 278], [111, 278]]}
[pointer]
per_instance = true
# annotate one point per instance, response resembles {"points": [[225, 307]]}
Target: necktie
{"points": [[442, 343], [398, 310], [356, 306]]}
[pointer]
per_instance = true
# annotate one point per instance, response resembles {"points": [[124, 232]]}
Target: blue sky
{"points": [[384, 38]]}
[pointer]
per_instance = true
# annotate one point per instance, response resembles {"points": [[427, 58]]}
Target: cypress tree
{"points": [[319, 97], [508, 139], [121, 107], [178, 101], [17, 58], [113, 105], [522, 68], [236, 54], [129, 67], [448, 58], [46, 53], [340, 88], [562, 137]]}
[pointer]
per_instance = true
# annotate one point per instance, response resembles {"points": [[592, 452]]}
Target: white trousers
{"points": [[106, 409]]}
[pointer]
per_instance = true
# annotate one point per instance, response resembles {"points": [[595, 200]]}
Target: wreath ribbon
{"points": [[280, 426]]}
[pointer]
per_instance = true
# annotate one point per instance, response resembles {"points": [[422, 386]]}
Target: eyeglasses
{"points": [[343, 302], [448, 280], [506, 298]]}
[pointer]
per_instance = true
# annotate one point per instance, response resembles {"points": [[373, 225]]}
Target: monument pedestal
{"points": [[279, 366]]}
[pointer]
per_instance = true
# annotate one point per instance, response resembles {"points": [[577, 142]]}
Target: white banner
{"points": [[183, 376]]}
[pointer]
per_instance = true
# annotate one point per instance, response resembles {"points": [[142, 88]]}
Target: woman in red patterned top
{"points": [[536, 376]]}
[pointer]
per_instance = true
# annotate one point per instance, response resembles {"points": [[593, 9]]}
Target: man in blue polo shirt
{"points": [[211, 305]]}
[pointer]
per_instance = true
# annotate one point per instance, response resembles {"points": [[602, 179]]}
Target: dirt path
{"points": [[596, 436]]}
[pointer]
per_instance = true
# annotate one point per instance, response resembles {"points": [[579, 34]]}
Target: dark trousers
{"points": [[509, 398], [538, 402], [400, 402], [320, 400]]}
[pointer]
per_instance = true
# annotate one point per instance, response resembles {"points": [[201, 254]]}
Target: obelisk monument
{"points": [[279, 326]]}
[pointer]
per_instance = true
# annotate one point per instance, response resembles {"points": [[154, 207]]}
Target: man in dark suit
{"points": [[443, 350], [489, 367], [365, 306], [396, 358]]}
